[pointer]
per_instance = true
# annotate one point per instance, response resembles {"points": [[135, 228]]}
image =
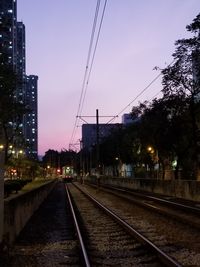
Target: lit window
{"points": [[10, 11]]}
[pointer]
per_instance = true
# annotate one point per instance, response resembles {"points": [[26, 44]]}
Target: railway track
{"points": [[183, 211], [49, 238], [111, 241]]}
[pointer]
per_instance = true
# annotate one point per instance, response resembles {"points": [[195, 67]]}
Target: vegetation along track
{"points": [[109, 243]]}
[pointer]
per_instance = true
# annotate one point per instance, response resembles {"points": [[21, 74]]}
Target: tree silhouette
{"points": [[182, 79]]}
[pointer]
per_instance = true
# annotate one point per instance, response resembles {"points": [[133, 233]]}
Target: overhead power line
{"points": [[89, 55], [156, 78], [89, 63], [95, 48], [86, 68]]}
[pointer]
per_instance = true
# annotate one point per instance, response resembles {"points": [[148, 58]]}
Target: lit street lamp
{"points": [[155, 152]]}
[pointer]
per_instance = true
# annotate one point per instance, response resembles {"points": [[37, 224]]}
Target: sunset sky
{"points": [[135, 37]]}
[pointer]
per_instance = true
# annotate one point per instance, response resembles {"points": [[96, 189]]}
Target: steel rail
{"points": [[157, 199], [83, 249], [175, 216], [164, 258]]}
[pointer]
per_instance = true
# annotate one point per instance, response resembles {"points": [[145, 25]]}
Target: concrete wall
{"points": [[186, 189], [18, 209]]}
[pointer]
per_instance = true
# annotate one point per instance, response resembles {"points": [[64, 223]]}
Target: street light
{"points": [[17, 153], [151, 151], [1, 147]]}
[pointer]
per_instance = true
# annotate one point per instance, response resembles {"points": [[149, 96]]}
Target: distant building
{"points": [[89, 133], [128, 118], [13, 53], [21, 62], [8, 20], [20, 68], [31, 118]]}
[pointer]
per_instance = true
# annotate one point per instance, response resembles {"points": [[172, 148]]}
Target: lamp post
{"points": [[48, 170], [151, 150], [157, 162]]}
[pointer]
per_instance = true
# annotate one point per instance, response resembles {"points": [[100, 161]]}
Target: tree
{"points": [[182, 79], [11, 111], [165, 125], [55, 159]]}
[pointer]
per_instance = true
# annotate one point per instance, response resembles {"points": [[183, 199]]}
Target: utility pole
{"points": [[81, 159], [97, 136]]}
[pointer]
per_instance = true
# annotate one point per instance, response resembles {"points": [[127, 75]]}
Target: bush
{"points": [[11, 186]]}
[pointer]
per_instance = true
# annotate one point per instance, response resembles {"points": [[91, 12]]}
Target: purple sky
{"points": [[136, 36]]}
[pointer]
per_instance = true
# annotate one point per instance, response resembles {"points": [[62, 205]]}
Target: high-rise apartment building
{"points": [[8, 20], [20, 62], [31, 118], [13, 53]]}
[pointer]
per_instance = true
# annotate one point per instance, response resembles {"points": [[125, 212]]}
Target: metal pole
{"points": [[97, 129], [158, 165], [81, 160]]}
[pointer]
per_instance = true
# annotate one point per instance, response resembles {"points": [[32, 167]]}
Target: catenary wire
{"points": [[89, 55], [156, 78], [94, 53], [84, 88], [86, 68]]}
